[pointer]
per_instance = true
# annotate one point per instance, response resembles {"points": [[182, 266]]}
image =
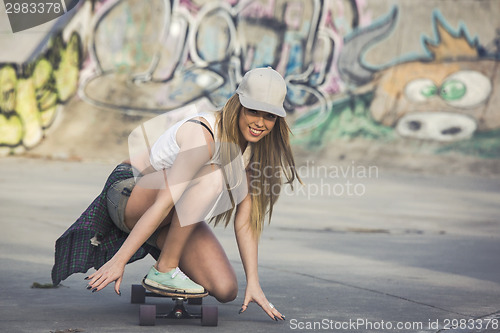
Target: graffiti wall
{"points": [[380, 70], [33, 92], [445, 91], [158, 55]]}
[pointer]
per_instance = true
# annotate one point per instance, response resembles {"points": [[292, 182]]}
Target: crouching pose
{"points": [[205, 168]]}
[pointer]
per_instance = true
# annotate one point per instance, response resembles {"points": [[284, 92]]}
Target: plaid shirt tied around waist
{"points": [[94, 239]]}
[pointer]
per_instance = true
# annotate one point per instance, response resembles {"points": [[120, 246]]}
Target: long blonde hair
{"points": [[272, 153]]}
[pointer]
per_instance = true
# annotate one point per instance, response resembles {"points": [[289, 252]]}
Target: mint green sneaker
{"points": [[174, 281]]}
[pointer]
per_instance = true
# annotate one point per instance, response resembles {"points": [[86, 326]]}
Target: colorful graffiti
{"points": [[34, 92], [31, 96], [153, 56], [445, 96], [158, 55], [448, 94]]}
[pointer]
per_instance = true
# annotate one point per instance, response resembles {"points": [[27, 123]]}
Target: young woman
{"points": [[195, 172]]}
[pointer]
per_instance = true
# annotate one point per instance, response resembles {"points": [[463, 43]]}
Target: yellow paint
{"points": [[8, 81], [67, 74], [451, 47], [11, 129], [27, 109]]}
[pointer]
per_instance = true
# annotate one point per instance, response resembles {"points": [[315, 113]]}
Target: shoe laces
{"points": [[180, 273]]}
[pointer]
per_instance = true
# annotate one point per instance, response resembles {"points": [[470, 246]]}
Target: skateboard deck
{"points": [[148, 312], [172, 294]]}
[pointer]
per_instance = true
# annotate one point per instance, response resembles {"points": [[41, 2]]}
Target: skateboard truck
{"points": [[179, 311], [148, 312]]}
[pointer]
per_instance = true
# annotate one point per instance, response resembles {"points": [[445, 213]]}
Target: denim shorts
{"points": [[117, 198]]}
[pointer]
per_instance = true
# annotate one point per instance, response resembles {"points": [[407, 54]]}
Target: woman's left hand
{"points": [[254, 293]]}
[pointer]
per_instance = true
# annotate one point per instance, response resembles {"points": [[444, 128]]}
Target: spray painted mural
{"points": [[158, 55], [153, 56], [33, 94], [29, 102], [449, 94]]}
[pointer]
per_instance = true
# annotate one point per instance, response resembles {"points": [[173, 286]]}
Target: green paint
{"points": [[429, 91], [483, 144], [348, 118], [452, 90]]}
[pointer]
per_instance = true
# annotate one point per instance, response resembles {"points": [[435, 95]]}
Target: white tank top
{"points": [[165, 149]]}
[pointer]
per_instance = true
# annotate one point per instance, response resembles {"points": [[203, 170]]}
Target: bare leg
{"points": [[191, 208], [143, 196], [206, 263], [148, 188], [173, 246], [195, 203]]}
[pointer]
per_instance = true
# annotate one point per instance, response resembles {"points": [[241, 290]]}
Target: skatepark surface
{"points": [[400, 253]]}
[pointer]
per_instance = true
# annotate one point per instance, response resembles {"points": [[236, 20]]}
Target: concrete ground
{"points": [[373, 251]]}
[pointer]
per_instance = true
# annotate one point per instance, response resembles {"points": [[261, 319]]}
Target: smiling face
{"points": [[254, 125]]}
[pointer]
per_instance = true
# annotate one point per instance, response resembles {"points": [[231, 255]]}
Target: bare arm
{"points": [[247, 243], [194, 152], [192, 156], [248, 247]]}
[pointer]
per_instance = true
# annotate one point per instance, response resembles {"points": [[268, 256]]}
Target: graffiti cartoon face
{"points": [[445, 101]]}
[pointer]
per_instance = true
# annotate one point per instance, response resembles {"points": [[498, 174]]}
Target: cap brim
{"points": [[261, 106]]}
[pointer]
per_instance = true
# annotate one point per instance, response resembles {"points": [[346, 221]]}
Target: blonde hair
{"points": [[272, 152]]}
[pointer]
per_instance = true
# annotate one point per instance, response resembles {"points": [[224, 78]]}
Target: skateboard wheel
{"points": [[195, 301], [209, 315], [147, 315], [138, 294]]}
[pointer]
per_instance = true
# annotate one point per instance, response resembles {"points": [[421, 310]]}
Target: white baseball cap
{"points": [[263, 89]]}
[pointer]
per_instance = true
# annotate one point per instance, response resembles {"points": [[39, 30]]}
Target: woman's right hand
{"points": [[254, 294], [111, 271]]}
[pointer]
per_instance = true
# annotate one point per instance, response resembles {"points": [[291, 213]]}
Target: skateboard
{"points": [[148, 314]]}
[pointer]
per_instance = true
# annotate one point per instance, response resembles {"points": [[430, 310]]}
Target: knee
{"points": [[226, 293], [227, 296]]}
